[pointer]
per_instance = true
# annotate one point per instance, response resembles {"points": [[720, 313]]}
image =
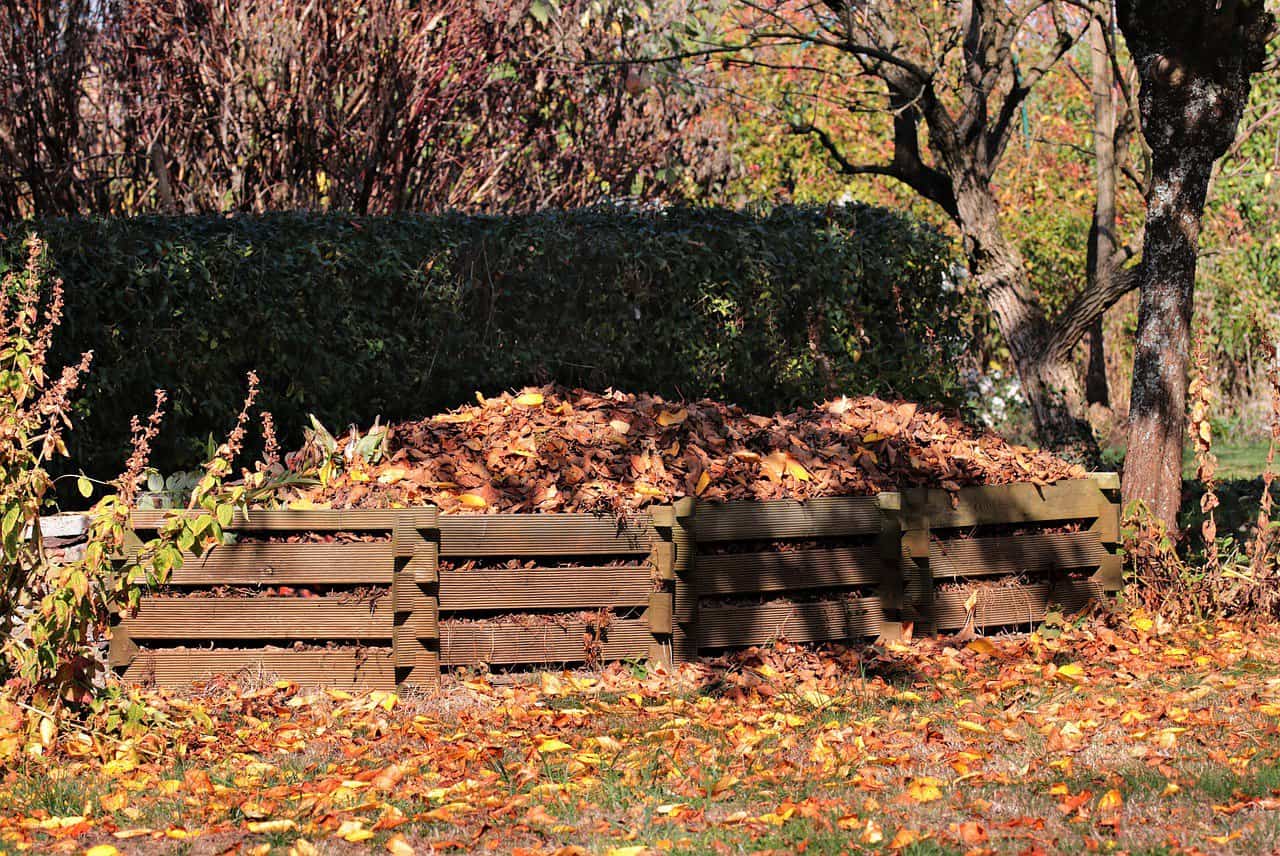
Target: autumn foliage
{"points": [[554, 449]]}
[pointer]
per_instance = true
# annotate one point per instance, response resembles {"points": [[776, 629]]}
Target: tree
{"points": [[1195, 61], [953, 79]]}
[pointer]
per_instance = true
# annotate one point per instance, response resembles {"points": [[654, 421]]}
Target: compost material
{"points": [[552, 449]]}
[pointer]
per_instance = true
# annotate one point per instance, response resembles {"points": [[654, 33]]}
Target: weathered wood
{"points": [[364, 668], [259, 618], [684, 585], [318, 520], [820, 621], [664, 560], [121, 650], [829, 517], [1014, 554], [1002, 504], [659, 613], [744, 573], [287, 564], [1006, 605], [545, 588], [544, 535], [485, 642]]}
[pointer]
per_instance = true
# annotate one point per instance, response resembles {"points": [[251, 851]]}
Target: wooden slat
{"points": [[828, 517], [1013, 554], [1024, 604], [287, 564], [1009, 503], [369, 668], [258, 618], [543, 535], [474, 644], [820, 621], [742, 573], [353, 520], [545, 588]]}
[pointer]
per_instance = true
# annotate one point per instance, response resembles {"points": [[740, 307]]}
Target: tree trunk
{"points": [[1051, 386], [1195, 59], [1102, 232], [1157, 404]]}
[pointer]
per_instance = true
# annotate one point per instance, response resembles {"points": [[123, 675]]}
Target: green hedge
{"points": [[402, 316]]}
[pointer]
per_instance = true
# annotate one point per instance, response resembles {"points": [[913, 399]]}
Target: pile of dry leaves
{"points": [[553, 449]]}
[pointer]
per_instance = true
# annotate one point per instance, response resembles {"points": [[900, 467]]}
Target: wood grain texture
{"points": [[545, 588], [1014, 554], [284, 618], [544, 535], [369, 668], [819, 621], [743, 573], [827, 517], [473, 644], [287, 564], [319, 520]]}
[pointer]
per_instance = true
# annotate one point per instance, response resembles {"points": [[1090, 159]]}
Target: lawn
{"points": [[1120, 735]]}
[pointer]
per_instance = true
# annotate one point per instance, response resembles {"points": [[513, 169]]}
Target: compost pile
{"points": [[554, 449]]}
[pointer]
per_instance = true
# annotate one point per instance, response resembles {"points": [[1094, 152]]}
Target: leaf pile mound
{"points": [[553, 449]]}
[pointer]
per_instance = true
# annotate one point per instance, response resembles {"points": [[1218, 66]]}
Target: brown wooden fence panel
{"points": [[433, 590]]}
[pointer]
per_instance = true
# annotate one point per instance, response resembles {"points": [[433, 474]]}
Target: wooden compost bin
{"points": [[521, 589]]}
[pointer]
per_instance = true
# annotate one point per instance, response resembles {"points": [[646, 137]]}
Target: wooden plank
{"points": [[1011, 605], [545, 588], [287, 564], [484, 642], [258, 618], [366, 668], [827, 517], [1013, 554], [659, 613], [544, 535], [1075, 499], [330, 520], [121, 649], [744, 573], [819, 621]]}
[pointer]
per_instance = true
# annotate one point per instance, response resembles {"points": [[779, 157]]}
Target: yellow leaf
{"points": [[472, 500], [398, 846], [391, 475], [704, 481], [271, 825], [454, 418], [353, 831], [971, 726], [871, 833], [672, 417], [924, 789], [553, 745], [1071, 673], [305, 504], [795, 470], [1111, 801], [102, 850], [529, 399], [633, 850], [981, 646], [645, 489]]}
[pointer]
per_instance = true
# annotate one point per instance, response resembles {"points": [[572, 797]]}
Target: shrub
{"points": [[349, 317]]}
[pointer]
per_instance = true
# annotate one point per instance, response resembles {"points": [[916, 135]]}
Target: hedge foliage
{"points": [[349, 318]]}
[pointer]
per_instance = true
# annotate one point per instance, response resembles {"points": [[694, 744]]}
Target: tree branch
{"points": [[1089, 305]]}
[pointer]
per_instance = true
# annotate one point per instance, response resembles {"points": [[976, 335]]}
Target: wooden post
{"points": [[1110, 575], [913, 558], [891, 570], [674, 558], [415, 594]]}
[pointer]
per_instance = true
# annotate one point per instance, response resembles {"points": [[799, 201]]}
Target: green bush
{"points": [[352, 317]]}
